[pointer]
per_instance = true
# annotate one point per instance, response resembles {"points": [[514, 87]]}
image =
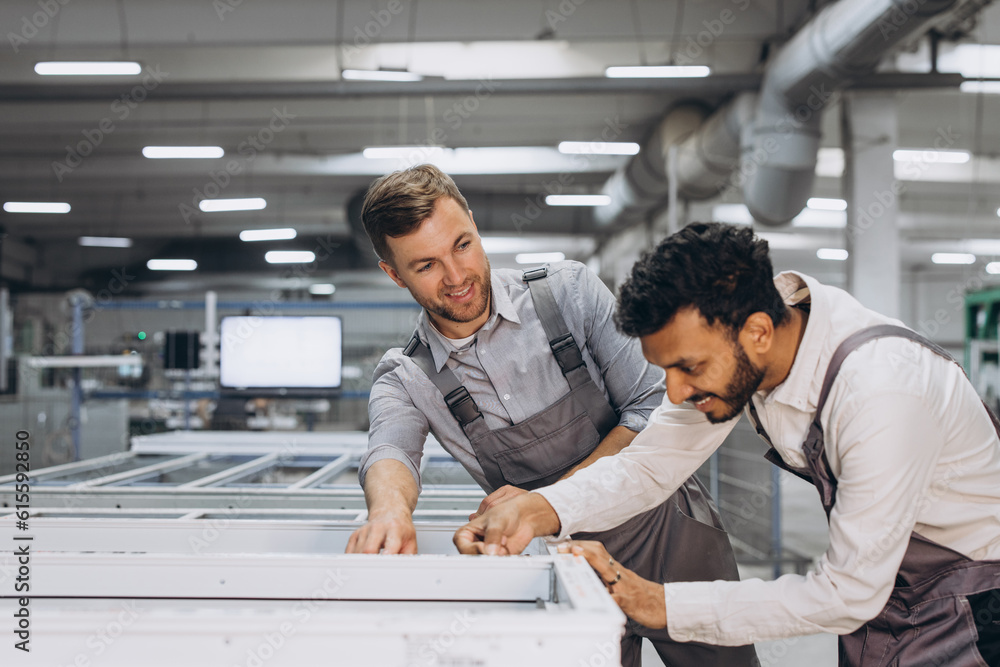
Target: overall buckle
{"points": [[535, 274], [462, 407], [567, 353]]}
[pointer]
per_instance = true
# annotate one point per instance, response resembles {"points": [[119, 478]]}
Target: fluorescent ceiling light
{"points": [[953, 258], [819, 219], [249, 204], [598, 147], [267, 234], [917, 155], [836, 254], [577, 200], [402, 152], [172, 265], [71, 68], [739, 214], [36, 207], [972, 60], [998, 212], [657, 72], [525, 243], [182, 152], [993, 267], [105, 241], [986, 87], [289, 256], [539, 257], [379, 75], [788, 240], [732, 214], [322, 288], [821, 204], [830, 162]]}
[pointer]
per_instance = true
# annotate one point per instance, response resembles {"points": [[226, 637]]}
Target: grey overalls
{"points": [[944, 608], [542, 448]]}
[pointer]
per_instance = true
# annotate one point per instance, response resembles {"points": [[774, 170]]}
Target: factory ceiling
{"points": [[502, 84]]}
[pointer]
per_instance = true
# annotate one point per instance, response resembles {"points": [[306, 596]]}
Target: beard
{"points": [[463, 313], [745, 381]]}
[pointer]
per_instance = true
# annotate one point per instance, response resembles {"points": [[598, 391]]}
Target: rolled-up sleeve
{"points": [[398, 429], [634, 385], [888, 449], [677, 440]]}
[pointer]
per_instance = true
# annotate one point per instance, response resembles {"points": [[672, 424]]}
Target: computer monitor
{"points": [[281, 356]]}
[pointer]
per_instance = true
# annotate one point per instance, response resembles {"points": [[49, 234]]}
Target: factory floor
{"points": [[804, 531]]}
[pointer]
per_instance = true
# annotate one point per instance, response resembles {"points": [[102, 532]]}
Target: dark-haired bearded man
{"points": [[905, 455]]}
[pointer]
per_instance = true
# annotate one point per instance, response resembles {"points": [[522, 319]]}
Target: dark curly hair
{"points": [[722, 270]]}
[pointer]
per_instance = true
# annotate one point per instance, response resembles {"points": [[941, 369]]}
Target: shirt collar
{"points": [[801, 388], [500, 306]]}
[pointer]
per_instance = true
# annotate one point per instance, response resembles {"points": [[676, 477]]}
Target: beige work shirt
{"points": [[907, 438]]}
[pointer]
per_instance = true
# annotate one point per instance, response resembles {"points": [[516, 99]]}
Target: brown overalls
{"points": [[945, 608]]}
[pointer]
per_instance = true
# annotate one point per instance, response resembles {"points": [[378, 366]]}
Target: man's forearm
{"points": [[616, 440], [390, 487]]}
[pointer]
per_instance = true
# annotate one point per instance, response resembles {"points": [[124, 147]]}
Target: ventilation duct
{"points": [[770, 140]]}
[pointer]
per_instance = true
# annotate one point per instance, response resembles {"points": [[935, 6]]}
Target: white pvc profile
{"points": [[331, 469], [255, 442], [234, 472], [84, 361], [163, 466], [61, 470], [128, 497], [169, 607], [236, 531], [509, 611], [212, 470]]}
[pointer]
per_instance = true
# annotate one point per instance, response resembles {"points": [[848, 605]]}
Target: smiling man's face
{"points": [[445, 268], [704, 365]]}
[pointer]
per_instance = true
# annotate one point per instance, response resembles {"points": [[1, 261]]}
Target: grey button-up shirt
{"points": [[509, 370]]}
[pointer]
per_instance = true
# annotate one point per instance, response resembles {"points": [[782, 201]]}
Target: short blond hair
{"points": [[397, 203]]}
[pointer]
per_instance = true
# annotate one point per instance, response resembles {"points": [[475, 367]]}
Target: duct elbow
{"points": [[774, 195], [777, 171]]}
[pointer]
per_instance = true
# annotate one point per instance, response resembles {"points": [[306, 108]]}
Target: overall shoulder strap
{"points": [[814, 448], [859, 338], [561, 341], [456, 396]]}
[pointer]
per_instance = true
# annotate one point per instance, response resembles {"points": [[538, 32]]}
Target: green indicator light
{"points": [[142, 335]]}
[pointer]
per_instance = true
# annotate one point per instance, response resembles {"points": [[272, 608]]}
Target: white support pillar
{"points": [[870, 135]]}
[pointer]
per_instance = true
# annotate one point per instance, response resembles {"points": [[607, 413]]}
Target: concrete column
{"points": [[870, 135]]}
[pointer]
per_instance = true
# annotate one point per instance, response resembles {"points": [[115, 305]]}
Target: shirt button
{"points": [[506, 397]]}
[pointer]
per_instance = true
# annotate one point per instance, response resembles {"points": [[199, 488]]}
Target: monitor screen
{"points": [[280, 353]]}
